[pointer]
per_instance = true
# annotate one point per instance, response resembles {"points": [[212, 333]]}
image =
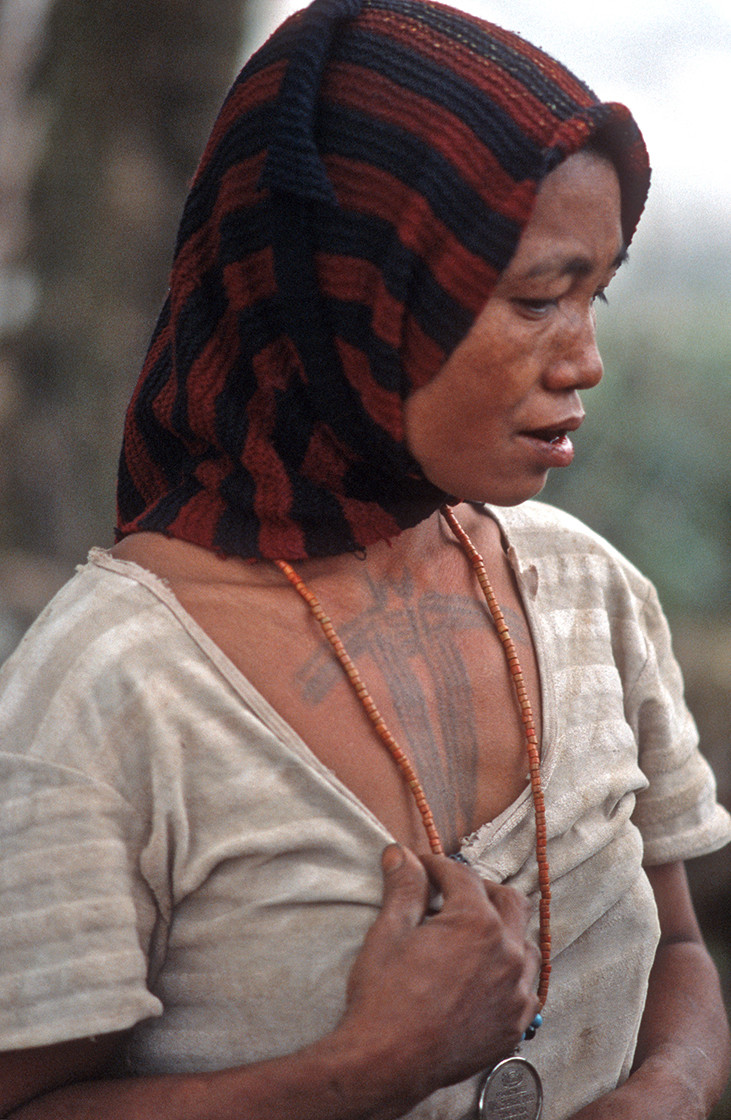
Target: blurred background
{"points": [[104, 108]]}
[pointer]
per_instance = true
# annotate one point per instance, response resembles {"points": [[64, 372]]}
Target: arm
{"points": [[432, 999], [682, 1057], [26, 1073]]}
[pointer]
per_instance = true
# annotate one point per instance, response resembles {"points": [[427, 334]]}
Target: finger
{"points": [[531, 965], [457, 884], [494, 906], [512, 906], [461, 887], [405, 889], [514, 910]]}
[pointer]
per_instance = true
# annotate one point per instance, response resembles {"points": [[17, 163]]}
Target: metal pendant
{"points": [[512, 1091]]}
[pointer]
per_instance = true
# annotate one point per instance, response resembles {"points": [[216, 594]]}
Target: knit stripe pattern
{"points": [[365, 184]]}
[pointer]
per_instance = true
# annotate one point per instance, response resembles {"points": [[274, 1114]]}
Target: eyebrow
{"points": [[572, 266]]}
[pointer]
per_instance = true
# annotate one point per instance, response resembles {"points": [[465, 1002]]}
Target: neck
{"points": [[427, 552], [426, 557]]}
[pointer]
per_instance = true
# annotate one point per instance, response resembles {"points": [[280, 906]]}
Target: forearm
{"points": [[682, 1055], [684, 1037], [335, 1079]]}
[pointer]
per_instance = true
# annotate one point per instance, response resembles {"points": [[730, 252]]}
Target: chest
{"points": [[436, 670]]}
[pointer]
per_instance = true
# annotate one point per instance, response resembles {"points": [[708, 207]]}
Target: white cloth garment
{"points": [[173, 856]]}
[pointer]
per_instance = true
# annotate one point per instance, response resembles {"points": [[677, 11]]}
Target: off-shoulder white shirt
{"points": [[173, 856]]}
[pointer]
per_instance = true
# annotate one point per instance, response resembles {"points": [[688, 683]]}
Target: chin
{"points": [[505, 495]]}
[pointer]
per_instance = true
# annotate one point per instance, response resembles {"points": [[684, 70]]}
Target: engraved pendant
{"points": [[512, 1091]]}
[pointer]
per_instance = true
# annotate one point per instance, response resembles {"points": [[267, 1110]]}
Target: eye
{"points": [[535, 308], [600, 296]]}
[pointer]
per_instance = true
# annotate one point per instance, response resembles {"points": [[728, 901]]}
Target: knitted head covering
{"points": [[365, 184]]}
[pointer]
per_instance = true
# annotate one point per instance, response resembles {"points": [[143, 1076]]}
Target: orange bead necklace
{"points": [[403, 762]]}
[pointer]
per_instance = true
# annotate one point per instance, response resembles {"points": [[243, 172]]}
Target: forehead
{"points": [[576, 223]]}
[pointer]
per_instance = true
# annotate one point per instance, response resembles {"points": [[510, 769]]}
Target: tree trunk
{"points": [[127, 91]]}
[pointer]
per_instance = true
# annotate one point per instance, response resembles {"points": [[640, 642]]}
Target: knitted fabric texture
{"points": [[366, 182]]}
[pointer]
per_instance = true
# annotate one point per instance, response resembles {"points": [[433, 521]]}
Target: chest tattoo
{"points": [[410, 639]]}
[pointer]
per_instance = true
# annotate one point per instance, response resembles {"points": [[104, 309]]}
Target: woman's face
{"points": [[495, 418]]}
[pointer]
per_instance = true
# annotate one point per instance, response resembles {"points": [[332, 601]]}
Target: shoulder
{"points": [[542, 533], [105, 609], [105, 651], [551, 528], [577, 573]]}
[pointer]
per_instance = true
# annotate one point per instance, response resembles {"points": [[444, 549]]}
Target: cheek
{"points": [[447, 416], [430, 425], [477, 387], [497, 369]]}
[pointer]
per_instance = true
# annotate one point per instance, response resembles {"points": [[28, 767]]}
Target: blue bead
{"points": [[531, 1032]]}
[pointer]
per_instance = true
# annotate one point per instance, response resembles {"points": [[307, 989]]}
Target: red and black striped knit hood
{"points": [[365, 184]]}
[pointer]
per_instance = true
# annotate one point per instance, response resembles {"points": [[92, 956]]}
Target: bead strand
{"points": [[531, 742]]}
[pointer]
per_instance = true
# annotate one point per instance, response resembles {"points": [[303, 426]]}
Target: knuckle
{"points": [[514, 955], [482, 925], [510, 903], [520, 903]]}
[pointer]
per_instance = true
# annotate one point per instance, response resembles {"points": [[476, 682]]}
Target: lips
{"points": [[554, 433], [550, 446], [549, 435]]}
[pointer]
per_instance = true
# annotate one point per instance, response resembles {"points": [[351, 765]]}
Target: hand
{"points": [[442, 995], [432, 999]]}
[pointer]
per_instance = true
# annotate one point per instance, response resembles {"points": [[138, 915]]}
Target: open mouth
{"points": [[549, 435], [552, 446]]}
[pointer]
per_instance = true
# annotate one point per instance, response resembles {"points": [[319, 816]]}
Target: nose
{"points": [[577, 363]]}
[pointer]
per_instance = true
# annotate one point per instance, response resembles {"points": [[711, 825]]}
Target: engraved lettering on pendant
{"points": [[512, 1091]]}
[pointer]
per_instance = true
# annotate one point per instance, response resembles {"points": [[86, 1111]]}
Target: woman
{"points": [[381, 303]]}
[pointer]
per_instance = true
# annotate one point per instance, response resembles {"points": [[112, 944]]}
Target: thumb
{"points": [[405, 888]]}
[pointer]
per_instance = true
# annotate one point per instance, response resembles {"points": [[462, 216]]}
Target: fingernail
{"points": [[392, 858]]}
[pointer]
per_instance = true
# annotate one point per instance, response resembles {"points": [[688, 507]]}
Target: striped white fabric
{"points": [[172, 855]]}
